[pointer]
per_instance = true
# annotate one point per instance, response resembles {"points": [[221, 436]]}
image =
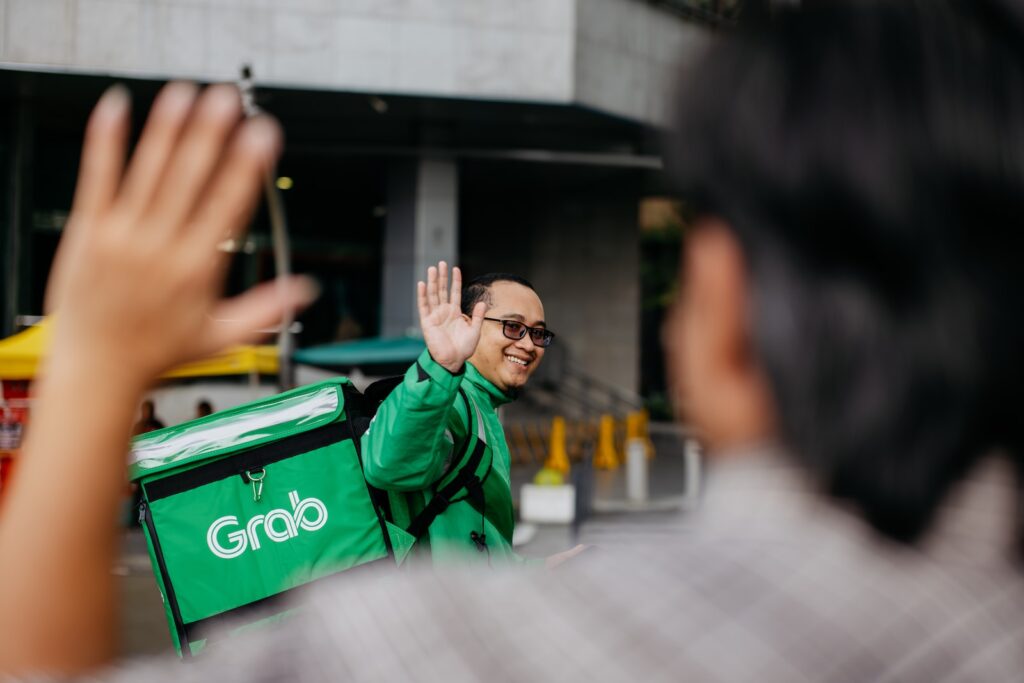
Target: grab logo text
{"points": [[279, 525]]}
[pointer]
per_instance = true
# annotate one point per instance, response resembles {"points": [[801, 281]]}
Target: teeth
{"points": [[518, 361]]}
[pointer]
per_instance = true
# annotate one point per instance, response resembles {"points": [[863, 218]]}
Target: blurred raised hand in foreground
{"points": [[136, 289]]}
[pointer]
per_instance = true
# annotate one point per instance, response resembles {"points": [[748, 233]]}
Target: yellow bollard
{"points": [[606, 458], [634, 425], [558, 457]]}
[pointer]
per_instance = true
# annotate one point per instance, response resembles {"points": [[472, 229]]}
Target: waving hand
{"points": [[451, 337], [137, 285]]}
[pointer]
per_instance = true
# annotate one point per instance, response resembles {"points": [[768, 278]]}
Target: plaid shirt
{"points": [[767, 583]]}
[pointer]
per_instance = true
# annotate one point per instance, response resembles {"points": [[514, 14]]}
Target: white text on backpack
{"points": [[279, 525]]}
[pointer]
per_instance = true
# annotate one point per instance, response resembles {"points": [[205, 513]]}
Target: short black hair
{"points": [[869, 157], [479, 289]]}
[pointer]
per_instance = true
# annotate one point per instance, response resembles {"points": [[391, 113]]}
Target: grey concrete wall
{"points": [[615, 55], [628, 55], [473, 48]]}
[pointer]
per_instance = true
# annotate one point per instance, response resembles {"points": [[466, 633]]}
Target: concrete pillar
{"points": [[421, 229]]}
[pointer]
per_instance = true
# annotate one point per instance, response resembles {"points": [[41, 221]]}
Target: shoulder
{"points": [[729, 609], [742, 611]]}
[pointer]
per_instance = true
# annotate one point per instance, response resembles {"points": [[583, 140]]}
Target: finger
{"points": [[235, 188], [457, 288], [103, 155], [432, 298], [159, 137], [421, 301], [200, 151], [478, 315], [442, 284], [99, 174], [239, 320]]}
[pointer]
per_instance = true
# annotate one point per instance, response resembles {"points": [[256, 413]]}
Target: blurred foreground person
{"points": [[847, 338]]}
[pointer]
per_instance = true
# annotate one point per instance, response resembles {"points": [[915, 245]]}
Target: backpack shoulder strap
{"points": [[361, 406], [376, 392], [465, 478]]}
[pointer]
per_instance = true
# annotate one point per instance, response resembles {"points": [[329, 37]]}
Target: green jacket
{"points": [[409, 447]]}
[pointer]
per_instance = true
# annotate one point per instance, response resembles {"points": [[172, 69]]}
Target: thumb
{"points": [[478, 316], [240, 320]]}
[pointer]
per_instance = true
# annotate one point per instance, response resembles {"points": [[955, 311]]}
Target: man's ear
{"points": [[726, 391]]}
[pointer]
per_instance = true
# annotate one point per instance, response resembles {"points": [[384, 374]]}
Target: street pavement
{"points": [[609, 522]]}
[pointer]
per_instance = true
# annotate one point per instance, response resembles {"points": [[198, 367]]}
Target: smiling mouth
{"points": [[517, 361]]}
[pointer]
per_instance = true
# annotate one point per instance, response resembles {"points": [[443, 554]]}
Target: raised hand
{"points": [[451, 337], [136, 288], [137, 280]]}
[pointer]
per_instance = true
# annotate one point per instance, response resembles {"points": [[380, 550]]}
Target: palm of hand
{"points": [[450, 338], [138, 276]]}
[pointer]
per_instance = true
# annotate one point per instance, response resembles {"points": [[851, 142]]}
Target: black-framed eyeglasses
{"points": [[513, 329]]}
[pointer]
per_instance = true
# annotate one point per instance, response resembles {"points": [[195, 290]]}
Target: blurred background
{"points": [[514, 136], [500, 135]]}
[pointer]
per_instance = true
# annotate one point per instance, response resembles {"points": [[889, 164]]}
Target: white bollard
{"points": [[636, 471], [691, 451], [547, 504]]}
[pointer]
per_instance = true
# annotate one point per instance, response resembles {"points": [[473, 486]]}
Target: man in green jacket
{"points": [[487, 341]]}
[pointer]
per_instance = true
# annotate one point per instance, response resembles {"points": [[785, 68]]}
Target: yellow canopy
{"points": [[21, 353], [239, 360]]}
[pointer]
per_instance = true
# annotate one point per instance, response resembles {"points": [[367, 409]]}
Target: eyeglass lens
{"points": [[516, 330]]}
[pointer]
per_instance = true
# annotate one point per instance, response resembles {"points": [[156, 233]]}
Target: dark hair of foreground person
{"points": [[876, 185]]}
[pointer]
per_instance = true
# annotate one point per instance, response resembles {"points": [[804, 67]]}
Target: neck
{"points": [[498, 394]]}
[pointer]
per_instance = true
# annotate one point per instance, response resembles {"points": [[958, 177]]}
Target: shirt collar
{"points": [[497, 396]]}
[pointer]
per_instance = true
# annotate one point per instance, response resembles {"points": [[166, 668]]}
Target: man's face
{"points": [[508, 363]]}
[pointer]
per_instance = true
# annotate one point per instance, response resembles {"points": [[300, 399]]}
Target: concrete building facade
{"points": [[516, 136]]}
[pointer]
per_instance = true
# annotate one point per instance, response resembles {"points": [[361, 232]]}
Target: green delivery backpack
{"points": [[252, 503]]}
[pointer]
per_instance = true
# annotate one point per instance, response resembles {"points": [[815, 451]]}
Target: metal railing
{"points": [[573, 392]]}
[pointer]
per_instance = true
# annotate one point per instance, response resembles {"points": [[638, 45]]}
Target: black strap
{"points": [[179, 624], [357, 405], [367, 404], [378, 391], [465, 478]]}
